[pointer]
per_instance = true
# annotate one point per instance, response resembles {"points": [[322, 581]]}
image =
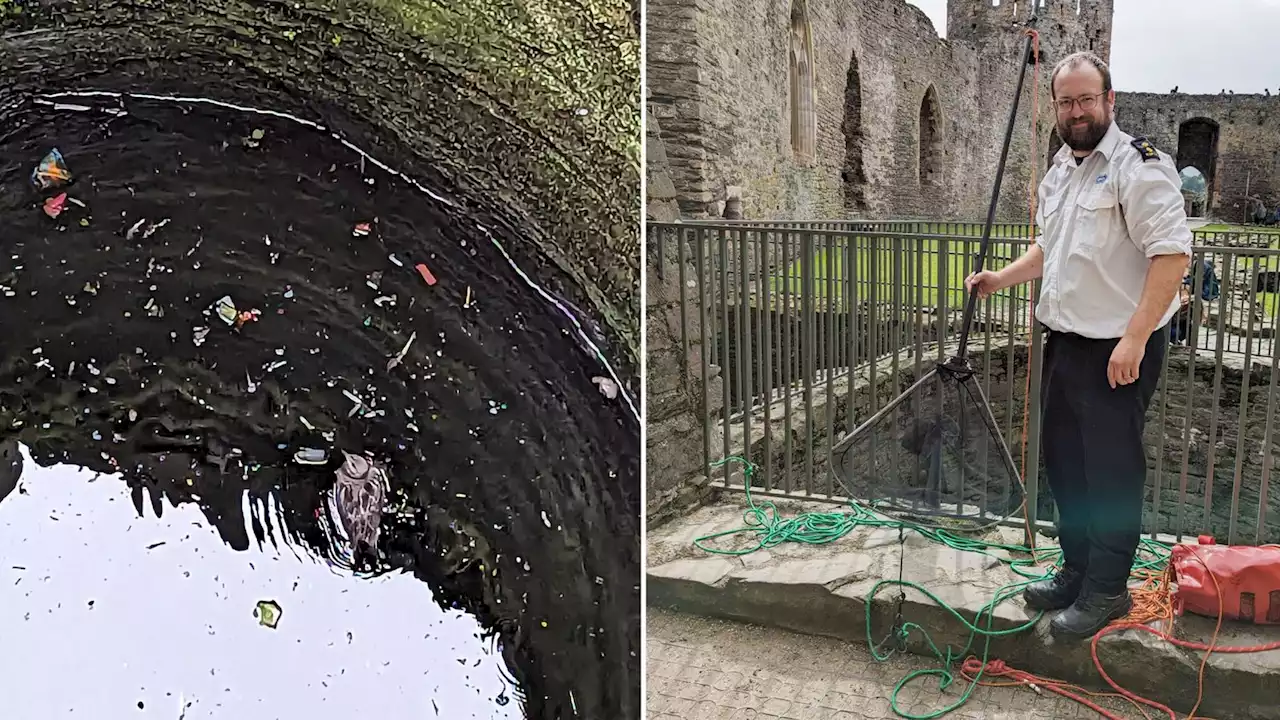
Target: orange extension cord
{"points": [[1152, 599], [1151, 602]]}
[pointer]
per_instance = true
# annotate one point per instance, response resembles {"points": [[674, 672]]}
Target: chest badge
{"points": [[1100, 179]]}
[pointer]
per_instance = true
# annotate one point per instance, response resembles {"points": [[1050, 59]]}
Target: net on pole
{"points": [[934, 454]]}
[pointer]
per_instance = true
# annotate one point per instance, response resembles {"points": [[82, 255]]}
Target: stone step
{"points": [[824, 589]]}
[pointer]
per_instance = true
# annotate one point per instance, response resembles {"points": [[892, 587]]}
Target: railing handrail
{"points": [[889, 234]]}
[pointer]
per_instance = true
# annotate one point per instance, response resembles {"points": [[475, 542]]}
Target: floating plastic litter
{"points": [[607, 386], [226, 308], [268, 613], [51, 172], [311, 456], [54, 206]]}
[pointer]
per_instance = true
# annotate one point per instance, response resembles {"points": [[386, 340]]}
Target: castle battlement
{"points": [[1065, 26]]}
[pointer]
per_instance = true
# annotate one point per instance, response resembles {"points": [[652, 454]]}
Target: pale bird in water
{"points": [[359, 492]]}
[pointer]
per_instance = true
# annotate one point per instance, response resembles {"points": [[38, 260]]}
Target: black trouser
{"points": [[1094, 453]]}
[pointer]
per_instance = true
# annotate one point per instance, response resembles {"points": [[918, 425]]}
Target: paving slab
{"points": [[824, 590], [707, 669]]}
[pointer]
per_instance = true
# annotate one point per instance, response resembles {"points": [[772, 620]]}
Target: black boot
{"points": [[1092, 612], [1054, 593]]}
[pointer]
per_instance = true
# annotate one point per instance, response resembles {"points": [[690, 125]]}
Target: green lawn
{"points": [[919, 274], [917, 266]]}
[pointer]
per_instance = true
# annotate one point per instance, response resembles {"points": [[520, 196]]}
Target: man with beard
{"points": [[1112, 248]]}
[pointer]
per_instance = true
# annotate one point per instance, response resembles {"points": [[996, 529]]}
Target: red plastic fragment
{"points": [[54, 205]]}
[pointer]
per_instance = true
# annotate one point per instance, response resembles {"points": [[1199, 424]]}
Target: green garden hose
{"points": [[820, 528]]}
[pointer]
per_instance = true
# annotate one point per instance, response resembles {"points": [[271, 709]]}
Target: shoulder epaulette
{"points": [[1145, 149]]}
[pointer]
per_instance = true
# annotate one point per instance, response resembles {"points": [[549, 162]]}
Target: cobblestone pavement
{"points": [[702, 669]]}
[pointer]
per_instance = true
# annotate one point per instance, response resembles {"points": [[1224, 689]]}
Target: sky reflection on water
{"points": [[99, 620]]}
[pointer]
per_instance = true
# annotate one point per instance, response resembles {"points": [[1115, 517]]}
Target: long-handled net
{"points": [[935, 453]]}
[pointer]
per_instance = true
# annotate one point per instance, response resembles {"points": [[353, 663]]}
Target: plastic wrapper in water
{"points": [[51, 172]]}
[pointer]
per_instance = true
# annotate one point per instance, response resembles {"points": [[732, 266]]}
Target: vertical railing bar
{"points": [[789, 366], [765, 277], [1242, 424], [746, 384], [918, 316], [1260, 535], [807, 329], [1031, 468], [851, 292], [986, 344], [896, 316], [712, 330], [1162, 387], [873, 320], [966, 259], [944, 316], [683, 255], [837, 259], [703, 301], [1228, 262], [828, 345], [1013, 296], [659, 242], [1193, 342], [726, 409]]}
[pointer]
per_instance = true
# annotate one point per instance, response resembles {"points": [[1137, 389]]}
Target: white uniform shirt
{"points": [[1100, 223]]}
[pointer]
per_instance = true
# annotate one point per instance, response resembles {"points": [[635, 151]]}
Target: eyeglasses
{"points": [[1087, 102]]}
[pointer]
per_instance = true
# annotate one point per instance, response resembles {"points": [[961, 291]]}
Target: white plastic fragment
{"points": [[403, 351], [607, 386]]}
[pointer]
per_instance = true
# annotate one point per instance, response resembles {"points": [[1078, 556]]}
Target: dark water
{"points": [[501, 448]]}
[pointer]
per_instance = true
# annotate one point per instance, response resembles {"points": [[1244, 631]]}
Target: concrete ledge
{"points": [[823, 589]]}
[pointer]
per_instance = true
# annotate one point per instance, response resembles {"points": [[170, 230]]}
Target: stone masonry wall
{"points": [[674, 389], [673, 398], [720, 80], [1248, 143]]}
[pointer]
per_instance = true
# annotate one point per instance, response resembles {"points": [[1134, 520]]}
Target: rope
{"points": [[1151, 601]]}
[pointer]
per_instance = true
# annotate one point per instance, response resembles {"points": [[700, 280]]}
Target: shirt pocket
{"points": [[1097, 212], [1053, 217]]}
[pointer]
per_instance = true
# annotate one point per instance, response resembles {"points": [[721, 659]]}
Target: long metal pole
{"points": [[972, 303]]}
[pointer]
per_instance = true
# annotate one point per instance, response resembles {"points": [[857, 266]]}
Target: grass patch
{"points": [[924, 271], [922, 274]]}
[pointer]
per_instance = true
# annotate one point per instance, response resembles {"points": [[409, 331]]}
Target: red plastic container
{"points": [[1248, 576]]}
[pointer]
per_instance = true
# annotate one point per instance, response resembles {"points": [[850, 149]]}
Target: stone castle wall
{"points": [[893, 120], [1243, 158], [884, 119]]}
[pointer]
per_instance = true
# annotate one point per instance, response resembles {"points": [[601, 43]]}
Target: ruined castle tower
{"points": [[991, 28], [1065, 26]]}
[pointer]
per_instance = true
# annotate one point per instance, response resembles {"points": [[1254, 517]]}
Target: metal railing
{"points": [[794, 333]]}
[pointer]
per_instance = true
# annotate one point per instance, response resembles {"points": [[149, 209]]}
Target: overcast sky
{"points": [[1157, 44]]}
